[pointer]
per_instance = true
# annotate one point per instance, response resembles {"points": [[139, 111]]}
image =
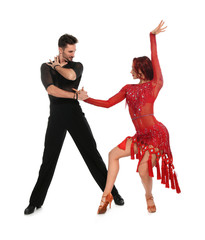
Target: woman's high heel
{"points": [[104, 203], [152, 208]]}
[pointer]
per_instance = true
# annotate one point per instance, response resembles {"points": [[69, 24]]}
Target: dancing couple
{"points": [[149, 144]]}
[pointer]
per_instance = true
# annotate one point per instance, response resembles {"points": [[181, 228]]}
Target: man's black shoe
{"points": [[118, 200], [30, 209]]}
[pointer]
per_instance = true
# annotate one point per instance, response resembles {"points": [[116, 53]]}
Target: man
{"points": [[59, 78]]}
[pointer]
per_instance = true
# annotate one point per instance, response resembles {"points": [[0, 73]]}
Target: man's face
{"points": [[68, 53]]}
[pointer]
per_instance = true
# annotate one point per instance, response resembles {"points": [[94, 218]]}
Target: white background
{"points": [[111, 33]]}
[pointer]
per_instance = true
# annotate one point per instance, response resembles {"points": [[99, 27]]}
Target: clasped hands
{"points": [[82, 94]]}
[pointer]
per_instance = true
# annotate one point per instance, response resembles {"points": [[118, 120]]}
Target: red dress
{"points": [[151, 135]]}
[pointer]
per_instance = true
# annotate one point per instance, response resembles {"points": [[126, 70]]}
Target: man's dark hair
{"points": [[67, 39]]}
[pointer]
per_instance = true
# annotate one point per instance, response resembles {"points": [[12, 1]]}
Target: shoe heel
{"points": [[104, 203], [110, 200]]}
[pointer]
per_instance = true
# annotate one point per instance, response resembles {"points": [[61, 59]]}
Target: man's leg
{"points": [[84, 140], [54, 139]]}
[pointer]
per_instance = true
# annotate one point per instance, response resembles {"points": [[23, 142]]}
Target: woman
{"points": [[151, 141]]}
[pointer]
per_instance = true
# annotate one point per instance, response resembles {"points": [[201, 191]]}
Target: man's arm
{"points": [[68, 74], [52, 89], [57, 92]]}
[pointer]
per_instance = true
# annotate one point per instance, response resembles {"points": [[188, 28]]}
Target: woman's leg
{"points": [[145, 178], [113, 166]]}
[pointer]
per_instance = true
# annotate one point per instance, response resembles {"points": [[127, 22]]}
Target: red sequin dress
{"points": [[151, 135]]}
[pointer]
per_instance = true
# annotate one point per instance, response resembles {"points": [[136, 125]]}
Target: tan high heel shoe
{"points": [[152, 208], [104, 203]]}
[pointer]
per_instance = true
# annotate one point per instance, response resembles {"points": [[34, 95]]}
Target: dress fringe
{"points": [[167, 174]]}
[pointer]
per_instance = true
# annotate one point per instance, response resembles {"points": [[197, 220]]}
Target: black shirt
{"points": [[51, 77]]}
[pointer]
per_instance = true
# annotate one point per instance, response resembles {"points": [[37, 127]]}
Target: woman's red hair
{"points": [[145, 65]]}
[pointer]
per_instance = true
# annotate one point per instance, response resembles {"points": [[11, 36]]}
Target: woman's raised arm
{"points": [[158, 79]]}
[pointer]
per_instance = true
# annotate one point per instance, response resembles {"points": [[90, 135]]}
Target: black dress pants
{"points": [[67, 116]]}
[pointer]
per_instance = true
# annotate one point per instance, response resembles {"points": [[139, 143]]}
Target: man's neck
{"points": [[62, 60]]}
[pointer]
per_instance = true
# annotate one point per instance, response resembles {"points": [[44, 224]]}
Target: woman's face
{"points": [[135, 75]]}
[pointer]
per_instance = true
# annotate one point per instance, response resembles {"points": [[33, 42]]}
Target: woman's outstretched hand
{"points": [[82, 94], [159, 28]]}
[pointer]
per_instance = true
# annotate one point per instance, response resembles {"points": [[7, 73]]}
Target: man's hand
{"points": [[82, 94], [56, 63]]}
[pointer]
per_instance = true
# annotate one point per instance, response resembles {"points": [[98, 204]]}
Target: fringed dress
{"points": [[151, 135]]}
